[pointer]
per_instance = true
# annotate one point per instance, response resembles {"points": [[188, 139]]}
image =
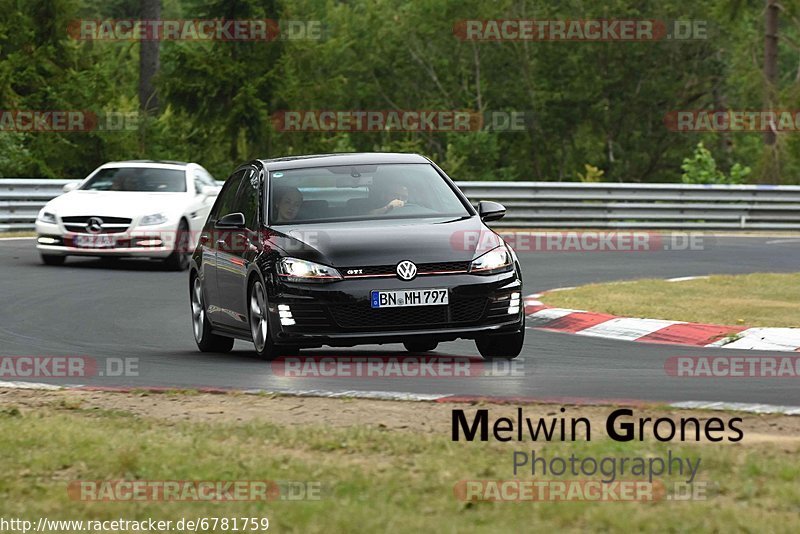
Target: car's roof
{"points": [[350, 158], [147, 163]]}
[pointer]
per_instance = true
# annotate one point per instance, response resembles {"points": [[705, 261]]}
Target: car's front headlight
{"points": [[497, 260], [155, 218], [295, 270], [47, 217]]}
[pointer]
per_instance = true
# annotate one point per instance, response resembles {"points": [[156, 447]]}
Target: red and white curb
{"points": [[586, 323], [431, 397]]}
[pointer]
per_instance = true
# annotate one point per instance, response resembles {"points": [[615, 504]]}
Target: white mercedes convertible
{"points": [[150, 209]]}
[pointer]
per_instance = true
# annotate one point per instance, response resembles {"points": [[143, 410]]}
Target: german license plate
{"points": [[94, 241], [408, 297]]}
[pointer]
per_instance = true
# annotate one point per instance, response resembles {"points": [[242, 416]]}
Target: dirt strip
{"points": [[425, 417]]}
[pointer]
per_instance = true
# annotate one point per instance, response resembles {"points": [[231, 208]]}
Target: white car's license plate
{"points": [[94, 241], [408, 297]]}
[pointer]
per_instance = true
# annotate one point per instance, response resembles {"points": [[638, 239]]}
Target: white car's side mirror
{"points": [[70, 186], [210, 191]]}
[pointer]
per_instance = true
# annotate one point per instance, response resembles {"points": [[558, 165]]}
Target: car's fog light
{"points": [[513, 304], [149, 242], [285, 314], [47, 241]]}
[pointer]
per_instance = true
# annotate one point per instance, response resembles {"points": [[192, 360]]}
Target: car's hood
{"points": [[114, 203], [387, 242]]}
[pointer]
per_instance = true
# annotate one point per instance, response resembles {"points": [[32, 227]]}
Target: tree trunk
{"points": [[770, 60], [148, 59]]}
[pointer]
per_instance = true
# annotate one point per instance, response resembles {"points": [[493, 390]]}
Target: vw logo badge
{"points": [[94, 225], [406, 270]]}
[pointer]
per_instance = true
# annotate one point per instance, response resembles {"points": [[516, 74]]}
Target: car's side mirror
{"points": [[491, 211], [70, 186], [231, 220], [209, 191]]}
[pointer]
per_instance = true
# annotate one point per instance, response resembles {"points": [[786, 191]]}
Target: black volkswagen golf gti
{"points": [[348, 249]]}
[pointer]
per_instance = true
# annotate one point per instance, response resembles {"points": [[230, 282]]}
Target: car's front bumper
{"points": [[150, 242], [340, 314]]}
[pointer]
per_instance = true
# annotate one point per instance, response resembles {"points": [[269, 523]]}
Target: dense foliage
{"points": [[594, 109]]}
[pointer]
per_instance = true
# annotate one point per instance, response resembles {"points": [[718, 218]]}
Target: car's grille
{"points": [[498, 310], [310, 315], [110, 225], [422, 268], [362, 316]]}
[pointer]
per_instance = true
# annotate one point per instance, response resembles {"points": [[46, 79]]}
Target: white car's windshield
{"points": [[138, 179], [355, 192]]}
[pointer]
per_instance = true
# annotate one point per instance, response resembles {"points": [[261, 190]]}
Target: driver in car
{"points": [[290, 199], [394, 196]]}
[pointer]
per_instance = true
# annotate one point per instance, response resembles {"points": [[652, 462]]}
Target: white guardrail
{"points": [[551, 204]]}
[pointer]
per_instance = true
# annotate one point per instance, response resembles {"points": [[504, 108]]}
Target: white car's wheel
{"points": [[179, 259], [52, 259]]}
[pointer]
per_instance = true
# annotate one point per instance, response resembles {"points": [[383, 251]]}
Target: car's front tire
{"points": [[501, 346], [52, 259], [206, 341], [258, 316]]}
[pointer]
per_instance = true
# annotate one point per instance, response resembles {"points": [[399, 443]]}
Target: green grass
{"points": [[17, 234], [373, 480], [761, 299]]}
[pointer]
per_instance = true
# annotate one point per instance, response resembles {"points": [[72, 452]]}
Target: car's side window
{"points": [[227, 197], [247, 199]]}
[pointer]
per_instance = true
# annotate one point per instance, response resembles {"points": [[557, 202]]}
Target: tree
{"points": [[148, 59]]}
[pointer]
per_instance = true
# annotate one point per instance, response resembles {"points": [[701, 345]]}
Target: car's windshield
{"points": [[138, 179], [356, 192]]}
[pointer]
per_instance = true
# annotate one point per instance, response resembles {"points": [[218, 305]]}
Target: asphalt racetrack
{"points": [[135, 309]]}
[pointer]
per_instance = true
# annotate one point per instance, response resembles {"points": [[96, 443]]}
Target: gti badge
{"points": [[406, 270], [94, 225]]}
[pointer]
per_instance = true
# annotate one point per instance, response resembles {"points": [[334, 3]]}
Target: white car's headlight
{"points": [[497, 260], [47, 217], [294, 270], [155, 218]]}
